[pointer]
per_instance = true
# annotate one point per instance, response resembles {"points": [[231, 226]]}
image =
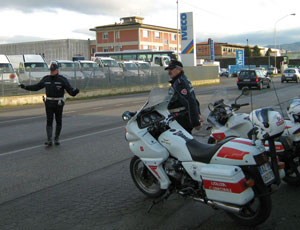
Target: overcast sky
{"points": [[232, 21]]}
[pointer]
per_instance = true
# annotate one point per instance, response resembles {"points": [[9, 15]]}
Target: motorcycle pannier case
{"points": [[226, 184]]}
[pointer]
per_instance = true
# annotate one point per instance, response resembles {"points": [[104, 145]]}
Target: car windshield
{"points": [[110, 63], [36, 66], [6, 68], [158, 96], [289, 71], [145, 66], [65, 65], [89, 65], [131, 66]]}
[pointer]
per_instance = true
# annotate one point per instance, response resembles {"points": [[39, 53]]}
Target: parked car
{"points": [[131, 69], [223, 72], [69, 69], [272, 70], [252, 78], [7, 73], [90, 69], [144, 67], [110, 66], [290, 74]]}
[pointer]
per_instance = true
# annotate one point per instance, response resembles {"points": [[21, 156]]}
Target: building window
{"points": [[145, 33], [173, 37], [166, 42], [105, 49], [156, 48], [93, 50], [145, 47], [117, 34], [157, 34], [105, 35]]}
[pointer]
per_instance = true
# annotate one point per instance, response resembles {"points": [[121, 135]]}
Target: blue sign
{"points": [[183, 25], [212, 49], [240, 58]]}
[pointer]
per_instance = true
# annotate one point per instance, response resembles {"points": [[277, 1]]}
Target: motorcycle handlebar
{"points": [[237, 106]]}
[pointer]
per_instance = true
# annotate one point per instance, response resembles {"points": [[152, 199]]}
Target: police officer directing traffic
{"points": [[55, 86], [184, 98]]}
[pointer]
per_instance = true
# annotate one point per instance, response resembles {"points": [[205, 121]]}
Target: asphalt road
{"points": [[85, 182]]}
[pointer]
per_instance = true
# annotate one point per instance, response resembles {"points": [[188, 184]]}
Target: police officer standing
{"points": [[55, 86], [184, 98]]}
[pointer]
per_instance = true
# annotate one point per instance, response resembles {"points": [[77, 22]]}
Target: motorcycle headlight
{"points": [[126, 116]]}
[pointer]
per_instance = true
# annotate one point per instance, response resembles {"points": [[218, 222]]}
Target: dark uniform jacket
{"points": [[55, 86], [184, 99]]}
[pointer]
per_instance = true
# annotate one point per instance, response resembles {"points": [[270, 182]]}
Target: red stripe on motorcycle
{"points": [[242, 141], [220, 186], [231, 153], [153, 168], [278, 147], [287, 127], [219, 136]]}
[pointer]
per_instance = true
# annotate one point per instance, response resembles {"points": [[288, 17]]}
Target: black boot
{"points": [[57, 133], [49, 136]]}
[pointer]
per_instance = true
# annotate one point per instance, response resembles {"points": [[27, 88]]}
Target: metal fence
{"points": [[104, 78]]}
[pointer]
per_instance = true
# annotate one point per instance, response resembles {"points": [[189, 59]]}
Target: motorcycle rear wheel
{"points": [[256, 211], [144, 179]]}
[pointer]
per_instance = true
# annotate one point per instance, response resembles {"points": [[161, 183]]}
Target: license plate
{"points": [[266, 173], [246, 79]]}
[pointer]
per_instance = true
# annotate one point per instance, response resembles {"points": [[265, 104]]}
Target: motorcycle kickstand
{"points": [[162, 198]]}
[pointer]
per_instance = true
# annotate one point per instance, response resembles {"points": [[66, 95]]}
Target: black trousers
{"points": [[185, 123], [54, 109]]}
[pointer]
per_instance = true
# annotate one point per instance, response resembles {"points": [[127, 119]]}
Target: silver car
{"points": [[290, 74]]}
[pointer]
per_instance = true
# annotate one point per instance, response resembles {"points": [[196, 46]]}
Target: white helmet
{"points": [[269, 123], [293, 110]]}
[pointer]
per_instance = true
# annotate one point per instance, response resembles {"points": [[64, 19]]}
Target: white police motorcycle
{"points": [[226, 123], [234, 175]]}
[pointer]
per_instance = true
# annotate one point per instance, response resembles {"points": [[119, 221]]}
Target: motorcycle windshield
{"points": [[158, 96]]}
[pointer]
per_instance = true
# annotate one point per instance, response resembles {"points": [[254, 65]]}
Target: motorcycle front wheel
{"points": [[256, 211], [144, 179]]}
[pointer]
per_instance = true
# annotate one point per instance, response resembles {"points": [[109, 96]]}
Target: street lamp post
{"points": [[275, 33]]}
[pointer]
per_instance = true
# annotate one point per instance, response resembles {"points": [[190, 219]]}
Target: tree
{"points": [[248, 52], [256, 51], [268, 53]]}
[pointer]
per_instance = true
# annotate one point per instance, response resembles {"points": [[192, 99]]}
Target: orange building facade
{"points": [[222, 50], [132, 34]]}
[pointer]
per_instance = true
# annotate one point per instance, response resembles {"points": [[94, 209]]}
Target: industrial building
{"points": [[51, 49]]}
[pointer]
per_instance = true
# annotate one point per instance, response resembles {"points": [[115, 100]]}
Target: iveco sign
{"points": [[188, 54], [183, 22]]}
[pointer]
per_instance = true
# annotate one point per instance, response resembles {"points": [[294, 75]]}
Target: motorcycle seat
{"points": [[203, 152]]}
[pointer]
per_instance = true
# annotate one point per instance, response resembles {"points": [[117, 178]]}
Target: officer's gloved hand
{"points": [[22, 86], [76, 91]]}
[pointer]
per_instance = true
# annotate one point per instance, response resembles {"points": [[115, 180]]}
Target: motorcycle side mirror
{"points": [[211, 107], [126, 116]]}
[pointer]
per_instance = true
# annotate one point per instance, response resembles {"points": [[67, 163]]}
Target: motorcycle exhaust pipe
{"points": [[216, 204]]}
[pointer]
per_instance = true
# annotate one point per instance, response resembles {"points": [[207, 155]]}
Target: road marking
{"points": [[98, 108], [64, 140], [70, 111], [118, 105]]}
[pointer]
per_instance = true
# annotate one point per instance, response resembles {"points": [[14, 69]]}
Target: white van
{"points": [[29, 67], [110, 66], [160, 60], [7, 73]]}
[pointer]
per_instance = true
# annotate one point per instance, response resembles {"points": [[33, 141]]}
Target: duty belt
{"points": [[176, 110], [55, 98]]}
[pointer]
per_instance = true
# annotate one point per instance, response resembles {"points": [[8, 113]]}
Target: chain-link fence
{"points": [[102, 78]]}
